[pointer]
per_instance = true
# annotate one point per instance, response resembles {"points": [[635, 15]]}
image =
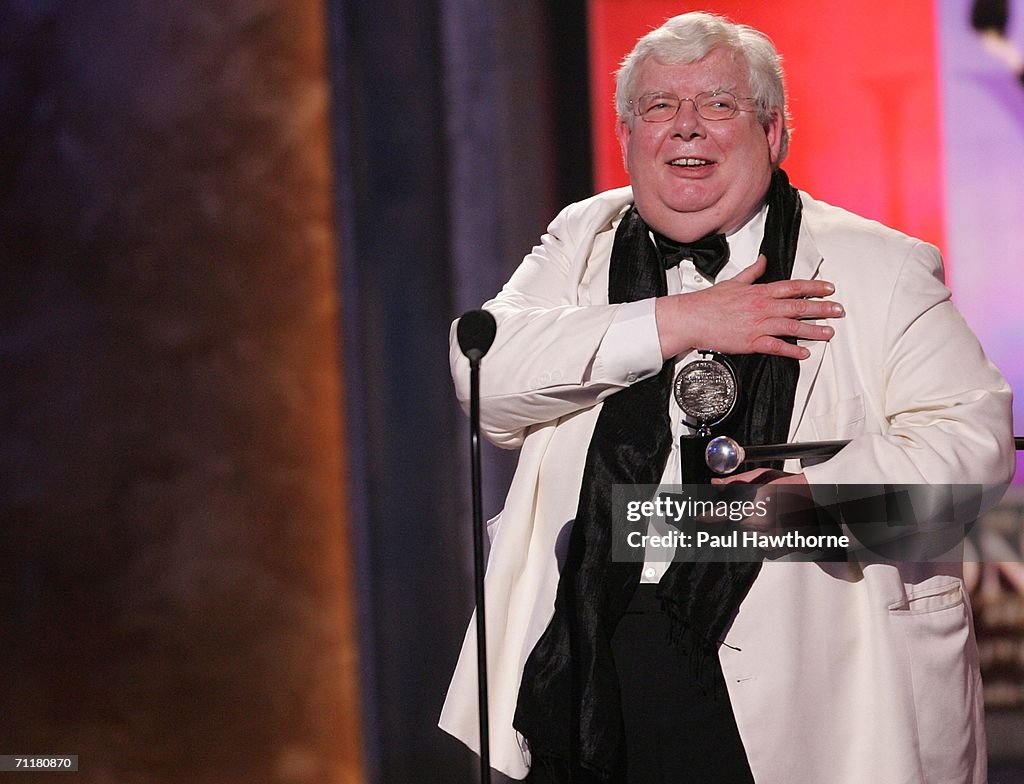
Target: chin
{"points": [[691, 207], [703, 209], [693, 202]]}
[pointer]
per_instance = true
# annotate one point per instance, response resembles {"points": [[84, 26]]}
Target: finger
{"points": [[794, 289], [753, 272], [807, 308], [794, 328], [767, 344], [747, 477], [814, 332]]}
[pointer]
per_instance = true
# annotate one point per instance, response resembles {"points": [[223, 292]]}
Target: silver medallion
{"points": [[706, 391]]}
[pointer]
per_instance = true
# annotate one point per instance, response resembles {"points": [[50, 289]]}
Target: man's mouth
{"points": [[688, 162]]}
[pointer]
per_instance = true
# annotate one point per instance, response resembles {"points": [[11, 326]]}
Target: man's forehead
{"points": [[719, 69]]}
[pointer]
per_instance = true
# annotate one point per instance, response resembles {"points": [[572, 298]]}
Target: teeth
{"points": [[690, 162]]}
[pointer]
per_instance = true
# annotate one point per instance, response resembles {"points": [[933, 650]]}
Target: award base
{"points": [[692, 460]]}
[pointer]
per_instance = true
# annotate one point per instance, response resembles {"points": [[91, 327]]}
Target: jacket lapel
{"points": [[806, 265]]}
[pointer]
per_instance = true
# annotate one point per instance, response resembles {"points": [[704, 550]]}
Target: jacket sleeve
{"points": [[946, 408], [556, 352]]}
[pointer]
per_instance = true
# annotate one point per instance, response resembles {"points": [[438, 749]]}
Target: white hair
{"points": [[688, 38]]}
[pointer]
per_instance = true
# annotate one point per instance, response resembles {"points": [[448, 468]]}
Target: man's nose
{"points": [[687, 122]]}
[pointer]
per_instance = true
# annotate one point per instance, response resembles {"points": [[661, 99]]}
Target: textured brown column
{"points": [[174, 570]]}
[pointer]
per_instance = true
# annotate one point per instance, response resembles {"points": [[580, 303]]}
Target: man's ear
{"points": [[622, 132], [773, 132]]}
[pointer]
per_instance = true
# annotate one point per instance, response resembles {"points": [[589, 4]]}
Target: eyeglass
{"points": [[662, 107]]}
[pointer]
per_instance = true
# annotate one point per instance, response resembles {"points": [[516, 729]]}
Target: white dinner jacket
{"points": [[839, 673]]}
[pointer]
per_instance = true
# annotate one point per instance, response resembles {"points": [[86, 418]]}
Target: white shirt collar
{"points": [[745, 242]]}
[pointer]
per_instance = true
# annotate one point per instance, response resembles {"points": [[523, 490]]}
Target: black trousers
{"points": [[678, 721], [679, 724]]}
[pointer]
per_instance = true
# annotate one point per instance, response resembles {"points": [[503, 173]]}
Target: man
{"points": [[774, 672]]}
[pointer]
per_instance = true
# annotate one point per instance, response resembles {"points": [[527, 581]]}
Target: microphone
{"points": [[476, 332]]}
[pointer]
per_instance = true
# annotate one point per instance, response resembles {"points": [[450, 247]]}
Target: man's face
{"points": [[686, 202]]}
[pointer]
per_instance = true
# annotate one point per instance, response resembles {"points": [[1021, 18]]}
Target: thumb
{"points": [[753, 272]]}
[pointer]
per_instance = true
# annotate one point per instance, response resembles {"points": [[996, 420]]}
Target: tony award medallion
{"points": [[706, 391]]}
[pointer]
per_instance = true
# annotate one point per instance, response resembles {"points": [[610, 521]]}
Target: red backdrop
{"points": [[863, 97]]}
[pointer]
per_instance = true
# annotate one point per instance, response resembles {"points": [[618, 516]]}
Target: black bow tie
{"points": [[709, 254]]}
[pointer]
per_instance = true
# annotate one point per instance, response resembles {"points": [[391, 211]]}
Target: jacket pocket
{"points": [[935, 625], [930, 600]]}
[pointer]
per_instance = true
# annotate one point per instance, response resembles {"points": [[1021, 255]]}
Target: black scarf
{"points": [[568, 707]]}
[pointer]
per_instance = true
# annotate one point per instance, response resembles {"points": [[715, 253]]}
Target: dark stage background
{"points": [[451, 161], [233, 533]]}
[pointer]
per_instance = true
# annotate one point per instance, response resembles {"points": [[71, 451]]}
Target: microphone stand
{"points": [[476, 330], [479, 566]]}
